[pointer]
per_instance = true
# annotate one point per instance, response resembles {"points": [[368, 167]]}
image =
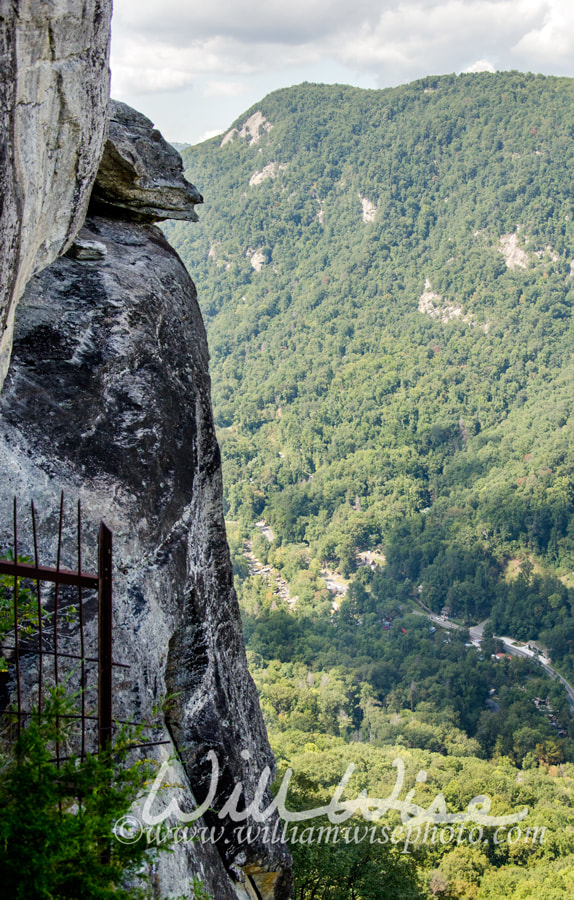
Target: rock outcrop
{"points": [[140, 176], [108, 399], [54, 95]]}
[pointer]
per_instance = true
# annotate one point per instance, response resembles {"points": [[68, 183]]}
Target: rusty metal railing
{"points": [[59, 576], [19, 568]]}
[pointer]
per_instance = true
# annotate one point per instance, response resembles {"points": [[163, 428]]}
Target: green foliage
{"points": [[56, 838], [377, 671], [349, 871], [350, 417], [385, 381], [27, 602], [199, 892], [450, 866]]}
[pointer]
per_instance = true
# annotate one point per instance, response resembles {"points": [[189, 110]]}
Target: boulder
{"points": [[141, 176]]}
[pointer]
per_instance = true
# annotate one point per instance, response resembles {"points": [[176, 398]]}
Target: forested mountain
{"points": [[387, 283], [386, 278]]}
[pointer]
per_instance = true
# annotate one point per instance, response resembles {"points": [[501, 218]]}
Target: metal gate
{"points": [[101, 581]]}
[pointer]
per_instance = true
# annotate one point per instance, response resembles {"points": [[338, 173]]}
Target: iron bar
{"points": [[149, 744], [40, 616], [129, 747], [92, 659], [24, 715], [43, 573], [16, 637], [82, 581], [60, 715], [56, 598], [105, 668], [57, 589], [82, 650]]}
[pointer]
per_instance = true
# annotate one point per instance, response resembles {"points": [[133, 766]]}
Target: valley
{"points": [[386, 280]]}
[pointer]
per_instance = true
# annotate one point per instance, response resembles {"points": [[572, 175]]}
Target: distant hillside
{"points": [[386, 278]]}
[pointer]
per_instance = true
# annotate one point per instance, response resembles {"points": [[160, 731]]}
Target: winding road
{"points": [[511, 646]]}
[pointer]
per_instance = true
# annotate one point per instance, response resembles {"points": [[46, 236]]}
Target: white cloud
{"points": [[413, 39], [481, 65], [214, 132], [223, 89], [250, 21], [165, 47], [552, 40], [142, 65], [225, 49]]}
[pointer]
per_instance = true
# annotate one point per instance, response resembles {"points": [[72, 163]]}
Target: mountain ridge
{"points": [[343, 255], [386, 282]]}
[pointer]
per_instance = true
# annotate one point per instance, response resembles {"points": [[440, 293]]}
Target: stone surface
{"points": [[251, 130], [108, 398], [141, 175], [54, 96], [514, 256], [82, 249]]}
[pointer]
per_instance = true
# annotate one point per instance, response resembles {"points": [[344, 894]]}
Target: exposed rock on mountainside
{"points": [[369, 209], [434, 306], [514, 256], [269, 171], [251, 130], [54, 95], [258, 259]]}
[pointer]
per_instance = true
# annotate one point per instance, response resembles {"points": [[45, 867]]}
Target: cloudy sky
{"points": [[193, 66]]}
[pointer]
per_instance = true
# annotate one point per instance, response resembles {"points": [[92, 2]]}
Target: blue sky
{"points": [[194, 67]]}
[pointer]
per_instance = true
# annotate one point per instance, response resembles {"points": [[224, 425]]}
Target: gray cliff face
{"points": [[54, 97], [108, 398]]}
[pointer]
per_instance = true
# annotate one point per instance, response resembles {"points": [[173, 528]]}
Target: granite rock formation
{"points": [[140, 176], [108, 398], [54, 95]]}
